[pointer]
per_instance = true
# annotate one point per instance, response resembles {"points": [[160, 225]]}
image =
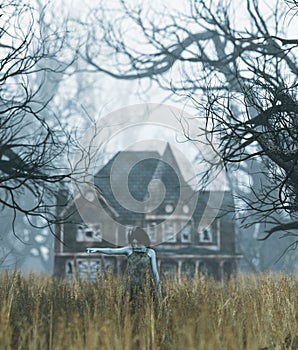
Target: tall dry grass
{"points": [[250, 312]]}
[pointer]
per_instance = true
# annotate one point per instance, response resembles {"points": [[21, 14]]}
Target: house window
{"points": [[69, 269], [209, 236], [186, 234], [169, 231], [185, 209], [205, 235], [169, 207], [88, 268], [89, 232], [152, 231]]}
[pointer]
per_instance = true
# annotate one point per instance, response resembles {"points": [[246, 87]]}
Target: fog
{"points": [[84, 98]]}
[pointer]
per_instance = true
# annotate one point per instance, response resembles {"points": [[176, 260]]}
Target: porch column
{"points": [[197, 264], [179, 269], [221, 269]]}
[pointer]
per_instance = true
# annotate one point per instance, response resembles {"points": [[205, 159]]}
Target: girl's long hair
{"points": [[140, 235]]}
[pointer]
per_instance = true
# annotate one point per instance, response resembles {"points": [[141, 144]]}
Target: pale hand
{"points": [[91, 250]]}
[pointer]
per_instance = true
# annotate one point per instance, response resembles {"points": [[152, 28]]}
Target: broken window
{"points": [[205, 235], [186, 234], [89, 232], [69, 269]]}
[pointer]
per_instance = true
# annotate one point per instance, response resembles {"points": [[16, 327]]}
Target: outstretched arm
{"points": [[110, 251], [155, 271]]}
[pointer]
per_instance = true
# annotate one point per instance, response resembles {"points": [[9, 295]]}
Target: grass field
{"points": [[250, 312]]}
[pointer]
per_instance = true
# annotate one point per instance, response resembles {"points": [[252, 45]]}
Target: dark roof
{"points": [[220, 202], [138, 178], [168, 172], [136, 169]]}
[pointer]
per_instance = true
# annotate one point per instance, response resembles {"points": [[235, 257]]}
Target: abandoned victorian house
{"points": [[184, 243]]}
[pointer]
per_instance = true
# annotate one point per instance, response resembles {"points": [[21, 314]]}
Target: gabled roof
{"points": [[168, 172], [85, 205], [136, 169], [212, 204], [138, 178]]}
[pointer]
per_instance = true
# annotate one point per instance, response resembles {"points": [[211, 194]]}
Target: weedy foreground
{"points": [[246, 312]]}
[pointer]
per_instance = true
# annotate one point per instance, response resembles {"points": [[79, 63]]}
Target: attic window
{"points": [[69, 269], [89, 232], [185, 209], [169, 207]]}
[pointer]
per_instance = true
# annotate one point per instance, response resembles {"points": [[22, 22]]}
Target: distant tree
{"points": [[34, 144], [239, 65]]}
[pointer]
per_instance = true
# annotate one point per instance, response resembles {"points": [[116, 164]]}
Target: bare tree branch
{"points": [[243, 74], [33, 142]]}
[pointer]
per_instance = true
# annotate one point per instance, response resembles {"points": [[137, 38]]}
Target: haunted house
{"points": [[188, 237]]}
